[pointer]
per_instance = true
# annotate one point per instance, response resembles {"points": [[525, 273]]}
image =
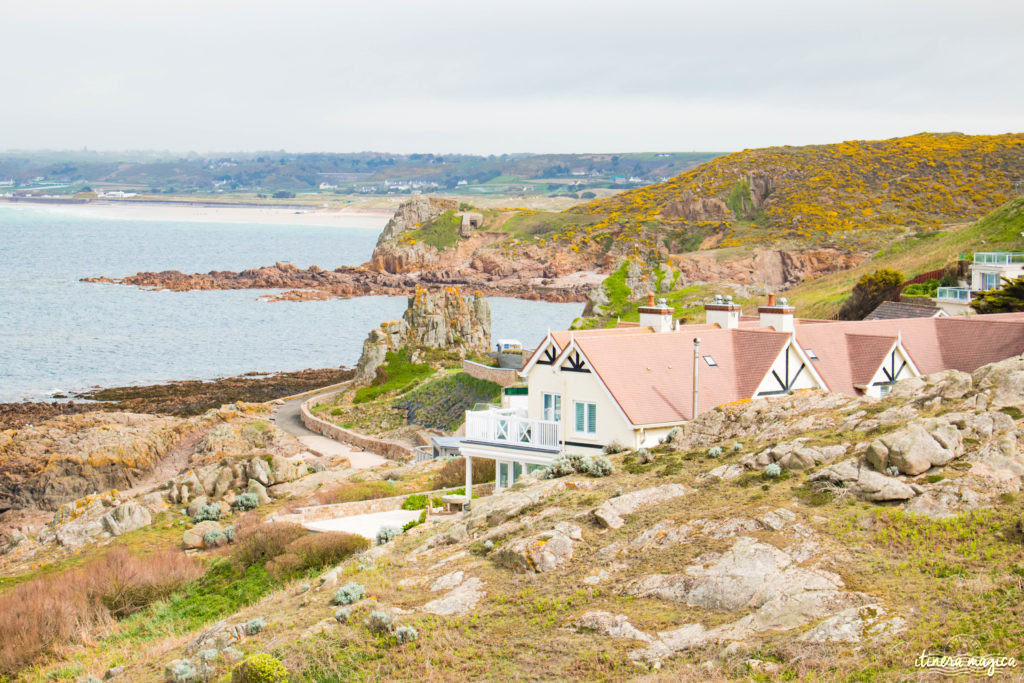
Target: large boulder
{"points": [[610, 513], [126, 517], [863, 481], [917, 447], [1003, 382], [543, 552]]}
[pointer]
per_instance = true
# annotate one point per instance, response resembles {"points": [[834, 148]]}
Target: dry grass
{"points": [[316, 551], [50, 613], [453, 474], [262, 542]]}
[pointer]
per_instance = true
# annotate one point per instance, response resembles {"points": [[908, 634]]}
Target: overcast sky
{"points": [[492, 76]]}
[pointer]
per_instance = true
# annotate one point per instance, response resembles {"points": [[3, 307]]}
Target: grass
{"points": [[440, 233], [442, 403], [397, 373]]}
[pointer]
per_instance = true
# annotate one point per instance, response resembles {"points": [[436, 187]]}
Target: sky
{"points": [[494, 76]]}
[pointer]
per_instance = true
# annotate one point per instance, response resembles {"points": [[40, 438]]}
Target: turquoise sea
{"points": [[59, 335]]}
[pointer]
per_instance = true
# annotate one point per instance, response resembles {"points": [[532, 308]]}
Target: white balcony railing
{"points": [[506, 427], [960, 294], [999, 258]]}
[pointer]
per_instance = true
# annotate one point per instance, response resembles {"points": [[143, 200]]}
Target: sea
{"points": [[59, 335]]}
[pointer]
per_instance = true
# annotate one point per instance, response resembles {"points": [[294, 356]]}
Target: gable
{"points": [[790, 371]]}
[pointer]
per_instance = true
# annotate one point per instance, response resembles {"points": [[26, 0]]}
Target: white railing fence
{"points": [[504, 426], [424, 453]]}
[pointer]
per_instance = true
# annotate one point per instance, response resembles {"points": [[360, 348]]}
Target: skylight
{"points": [[810, 354], [710, 361]]}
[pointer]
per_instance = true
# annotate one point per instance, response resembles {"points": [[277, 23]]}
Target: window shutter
{"points": [[580, 417], [592, 417]]}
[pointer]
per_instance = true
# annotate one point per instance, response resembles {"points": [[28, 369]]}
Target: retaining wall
{"points": [[315, 513], [503, 376], [392, 450]]}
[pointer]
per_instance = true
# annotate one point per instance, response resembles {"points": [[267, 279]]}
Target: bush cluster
{"points": [[349, 593], [442, 403], [207, 513], [247, 501], [415, 522], [261, 668], [417, 501], [261, 542], [386, 533], [593, 466], [51, 612], [773, 471], [315, 551]]}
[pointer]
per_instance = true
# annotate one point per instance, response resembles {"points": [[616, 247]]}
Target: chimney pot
{"points": [[650, 298], [771, 299]]}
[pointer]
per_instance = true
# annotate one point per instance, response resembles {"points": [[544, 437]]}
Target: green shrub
{"points": [[349, 593], [773, 471], [207, 513], [379, 622], [598, 466], [261, 668], [417, 501], [571, 463], [415, 522], [386, 533], [247, 501], [613, 447], [230, 533], [406, 634], [342, 615], [254, 626], [714, 451], [214, 538]]}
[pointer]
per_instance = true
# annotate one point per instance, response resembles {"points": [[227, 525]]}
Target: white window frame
{"points": [[589, 418], [554, 412]]}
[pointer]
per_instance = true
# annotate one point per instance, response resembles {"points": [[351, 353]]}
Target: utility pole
{"points": [[696, 359]]}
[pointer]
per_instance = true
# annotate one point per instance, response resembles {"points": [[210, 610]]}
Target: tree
{"points": [[871, 290], [1007, 299]]}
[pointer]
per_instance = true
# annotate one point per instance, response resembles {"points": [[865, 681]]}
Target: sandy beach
{"points": [[348, 217]]}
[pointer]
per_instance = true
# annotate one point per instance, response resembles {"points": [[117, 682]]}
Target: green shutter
{"points": [[592, 418], [580, 417]]}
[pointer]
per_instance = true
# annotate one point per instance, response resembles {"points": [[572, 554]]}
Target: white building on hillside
{"points": [[632, 384], [988, 270]]}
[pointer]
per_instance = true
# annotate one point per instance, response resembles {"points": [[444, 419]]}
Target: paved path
{"points": [[366, 525], [288, 417]]}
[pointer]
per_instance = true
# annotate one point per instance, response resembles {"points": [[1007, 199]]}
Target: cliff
{"points": [[443, 319]]}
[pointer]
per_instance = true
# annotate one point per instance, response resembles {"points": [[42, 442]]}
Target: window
{"points": [[811, 354], [989, 280], [884, 389], [586, 417], [553, 407], [710, 361]]}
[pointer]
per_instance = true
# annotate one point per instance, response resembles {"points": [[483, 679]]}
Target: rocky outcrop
{"points": [[413, 213], [695, 209], [443, 320], [610, 513], [773, 267], [542, 552], [63, 459]]}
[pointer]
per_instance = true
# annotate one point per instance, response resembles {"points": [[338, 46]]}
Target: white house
{"points": [[632, 384], [988, 270]]}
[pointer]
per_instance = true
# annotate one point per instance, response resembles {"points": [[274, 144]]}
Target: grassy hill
{"points": [[1001, 230], [857, 195]]}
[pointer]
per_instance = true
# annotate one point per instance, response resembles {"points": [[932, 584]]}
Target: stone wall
{"points": [[503, 376], [392, 450], [316, 513]]}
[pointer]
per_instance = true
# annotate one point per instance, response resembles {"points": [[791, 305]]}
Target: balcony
{"points": [[957, 294], [998, 258], [507, 427]]}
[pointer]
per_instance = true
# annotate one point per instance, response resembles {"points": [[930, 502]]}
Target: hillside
{"points": [[808, 536], [855, 195], [1001, 230]]}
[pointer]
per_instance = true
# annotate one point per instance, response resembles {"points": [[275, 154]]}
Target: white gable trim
{"points": [[792, 345], [897, 348], [538, 354]]}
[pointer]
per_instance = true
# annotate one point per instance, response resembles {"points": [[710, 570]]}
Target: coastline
{"points": [[346, 217]]}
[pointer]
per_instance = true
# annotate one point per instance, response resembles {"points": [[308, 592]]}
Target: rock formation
{"points": [[443, 319]]}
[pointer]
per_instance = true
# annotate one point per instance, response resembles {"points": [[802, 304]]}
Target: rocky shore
{"points": [[183, 399]]}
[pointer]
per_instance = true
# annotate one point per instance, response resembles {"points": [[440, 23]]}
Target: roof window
{"points": [[811, 354], [710, 361]]}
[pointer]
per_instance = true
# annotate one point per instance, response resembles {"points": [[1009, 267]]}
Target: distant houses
{"points": [[631, 385], [987, 270]]}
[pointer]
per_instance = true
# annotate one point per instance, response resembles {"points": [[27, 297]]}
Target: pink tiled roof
{"points": [[650, 376]]}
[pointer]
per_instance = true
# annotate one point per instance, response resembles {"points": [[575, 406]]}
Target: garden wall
{"points": [[392, 450]]}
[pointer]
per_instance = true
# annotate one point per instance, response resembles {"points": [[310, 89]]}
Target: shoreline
{"points": [[198, 212]]}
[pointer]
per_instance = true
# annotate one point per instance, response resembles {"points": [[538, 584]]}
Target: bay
{"points": [[61, 335]]}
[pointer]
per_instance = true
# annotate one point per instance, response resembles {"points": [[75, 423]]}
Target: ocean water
{"points": [[61, 335]]}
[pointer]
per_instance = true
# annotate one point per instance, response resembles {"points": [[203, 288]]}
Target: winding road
{"points": [[288, 418]]}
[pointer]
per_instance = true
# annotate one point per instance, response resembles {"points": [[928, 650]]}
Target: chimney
{"points": [[777, 315], [723, 312], [657, 316]]}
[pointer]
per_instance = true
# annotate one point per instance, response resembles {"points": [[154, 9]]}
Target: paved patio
{"points": [[366, 525]]}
